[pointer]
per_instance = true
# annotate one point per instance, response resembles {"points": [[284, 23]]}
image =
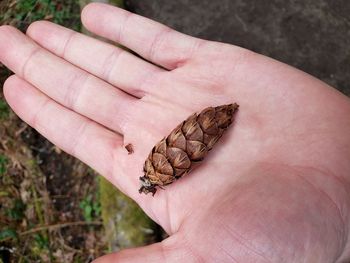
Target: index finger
{"points": [[151, 40]]}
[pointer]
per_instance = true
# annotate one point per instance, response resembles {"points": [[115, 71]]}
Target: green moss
{"points": [[90, 206], [119, 3], [24, 12], [125, 223], [16, 212], [3, 164], [4, 110]]}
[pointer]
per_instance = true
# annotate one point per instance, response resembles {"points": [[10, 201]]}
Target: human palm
{"points": [[274, 189]]}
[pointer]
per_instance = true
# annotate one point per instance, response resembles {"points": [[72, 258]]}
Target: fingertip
{"points": [[9, 82], [89, 14], [94, 6], [17, 91], [91, 10], [10, 42], [89, 6], [6, 29], [10, 88], [5, 35], [36, 27], [87, 11], [22, 97], [47, 34]]}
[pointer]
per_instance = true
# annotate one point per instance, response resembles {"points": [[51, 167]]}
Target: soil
{"points": [[68, 181], [41, 186], [45, 187], [312, 35]]}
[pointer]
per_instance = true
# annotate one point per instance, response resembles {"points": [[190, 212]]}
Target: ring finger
{"points": [[110, 63], [63, 82]]}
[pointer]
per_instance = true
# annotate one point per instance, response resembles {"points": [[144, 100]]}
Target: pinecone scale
{"points": [[187, 145]]}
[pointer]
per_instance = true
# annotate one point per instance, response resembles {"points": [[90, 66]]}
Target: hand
{"points": [[276, 188]]}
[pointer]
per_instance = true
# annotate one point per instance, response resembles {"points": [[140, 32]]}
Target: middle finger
{"points": [[63, 82], [110, 63]]}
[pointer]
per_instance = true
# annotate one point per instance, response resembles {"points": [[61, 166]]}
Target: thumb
{"points": [[166, 251]]}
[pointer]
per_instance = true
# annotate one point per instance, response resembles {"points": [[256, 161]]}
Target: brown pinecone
{"points": [[187, 144]]}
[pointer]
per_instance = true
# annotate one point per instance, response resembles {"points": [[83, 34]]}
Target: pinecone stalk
{"points": [[187, 145]]}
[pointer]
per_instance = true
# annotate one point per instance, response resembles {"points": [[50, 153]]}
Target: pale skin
{"points": [[276, 188]]}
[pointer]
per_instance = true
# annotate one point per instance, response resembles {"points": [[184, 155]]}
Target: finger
{"points": [[170, 250], [73, 133], [113, 64], [151, 40], [63, 82]]}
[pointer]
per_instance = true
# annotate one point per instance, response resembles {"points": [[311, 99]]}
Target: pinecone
{"points": [[188, 144]]}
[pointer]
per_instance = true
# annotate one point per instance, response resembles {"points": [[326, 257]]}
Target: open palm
{"points": [[276, 187]]}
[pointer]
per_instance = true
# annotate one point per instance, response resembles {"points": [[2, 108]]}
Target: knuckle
{"points": [[157, 42], [74, 89], [26, 65]]}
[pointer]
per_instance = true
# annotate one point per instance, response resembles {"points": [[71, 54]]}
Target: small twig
{"points": [[20, 130], [65, 246], [52, 197], [50, 227]]}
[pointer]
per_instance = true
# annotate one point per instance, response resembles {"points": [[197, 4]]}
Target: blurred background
{"points": [[53, 208]]}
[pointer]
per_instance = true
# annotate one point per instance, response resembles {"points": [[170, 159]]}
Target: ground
{"points": [[312, 35], [55, 209]]}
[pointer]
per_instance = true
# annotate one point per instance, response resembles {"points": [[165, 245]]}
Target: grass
{"points": [[31, 230], [4, 111], [8, 233], [119, 3], [3, 163], [16, 212], [25, 203], [21, 13], [17, 200], [91, 207], [127, 224]]}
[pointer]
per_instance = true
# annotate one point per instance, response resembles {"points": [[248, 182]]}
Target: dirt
{"points": [[44, 187], [45, 195], [312, 35], [68, 182], [50, 206]]}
